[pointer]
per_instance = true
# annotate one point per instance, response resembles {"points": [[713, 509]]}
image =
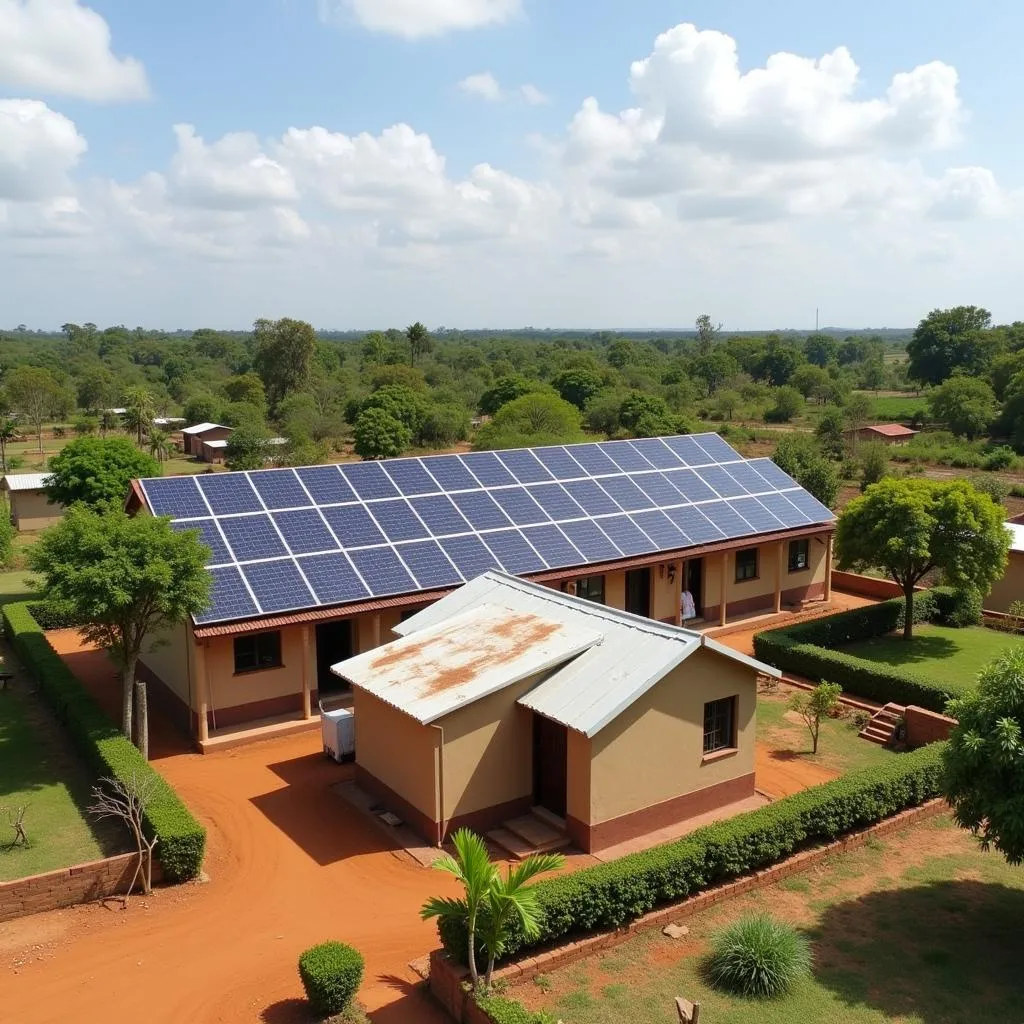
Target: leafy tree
{"points": [[967, 405], [140, 410], [505, 389], [8, 433], [804, 461], [778, 363], [159, 444], [35, 394], [97, 471], [858, 409], [97, 390], [247, 387], [247, 448], [829, 432], [714, 369], [201, 408], [874, 464], [821, 349], [420, 342], [445, 425], [622, 352], [379, 434], [947, 340], [788, 403], [128, 578], [108, 421], [811, 381], [726, 403], [908, 527], [243, 416], [374, 347], [536, 419], [707, 331], [284, 356], [984, 760], [814, 706], [405, 405], [578, 385], [85, 425]]}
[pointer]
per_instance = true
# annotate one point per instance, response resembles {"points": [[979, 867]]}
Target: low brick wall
{"points": [[866, 586], [924, 726], [447, 978], [67, 887]]}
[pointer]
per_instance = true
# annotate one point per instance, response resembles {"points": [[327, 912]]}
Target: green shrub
{"points": [[610, 895], [1002, 457], [182, 840], [51, 615], [331, 973], [508, 1011], [960, 607], [758, 957]]}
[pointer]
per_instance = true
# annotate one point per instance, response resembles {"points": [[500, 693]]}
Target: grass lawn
{"points": [[918, 928], [942, 654], [891, 407], [14, 587]]}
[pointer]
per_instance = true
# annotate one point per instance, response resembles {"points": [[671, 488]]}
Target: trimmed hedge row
{"points": [[182, 840], [810, 649], [610, 895], [502, 1010]]}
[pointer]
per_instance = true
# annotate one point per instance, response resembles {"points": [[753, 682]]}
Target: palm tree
{"points": [[140, 411], [8, 432], [419, 341], [159, 444]]}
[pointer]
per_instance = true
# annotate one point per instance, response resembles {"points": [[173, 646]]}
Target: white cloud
{"points": [[415, 19], [38, 149], [61, 47], [533, 95], [484, 85]]}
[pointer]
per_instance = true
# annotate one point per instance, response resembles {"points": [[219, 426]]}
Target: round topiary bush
{"points": [[759, 957], [331, 973]]}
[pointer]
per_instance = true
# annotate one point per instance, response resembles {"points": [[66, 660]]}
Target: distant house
{"points": [[169, 422], [195, 437], [1011, 587], [887, 433], [31, 509], [216, 451]]}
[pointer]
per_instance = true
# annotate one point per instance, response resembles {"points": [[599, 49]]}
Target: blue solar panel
{"points": [[333, 579], [326, 485], [783, 509], [560, 463], [470, 555], [304, 531], [657, 453], [810, 506], [397, 520], [450, 473], [514, 552], [626, 535], [524, 465], [369, 481], [592, 458], [228, 493], [590, 497], [553, 546], [626, 493], [252, 537], [716, 448], [383, 571], [695, 524], [278, 586], [775, 476], [440, 515], [410, 477], [688, 450], [721, 481], [176, 496], [588, 537], [210, 536], [353, 526], [229, 598], [625, 456], [657, 487], [519, 506], [689, 485], [727, 519], [749, 478], [480, 510], [756, 514], [487, 469], [429, 564], [665, 534], [280, 488], [555, 500]]}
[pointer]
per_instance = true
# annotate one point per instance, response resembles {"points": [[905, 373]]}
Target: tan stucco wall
{"points": [[577, 787], [1010, 588], [653, 751], [170, 660], [398, 751], [665, 593], [32, 510], [488, 751], [228, 690], [615, 590], [373, 629], [196, 441]]}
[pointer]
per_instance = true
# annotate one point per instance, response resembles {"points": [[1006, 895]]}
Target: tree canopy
{"points": [[947, 340], [967, 405], [284, 355], [379, 434], [536, 419], [247, 448], [808, 465], [97, 471]]}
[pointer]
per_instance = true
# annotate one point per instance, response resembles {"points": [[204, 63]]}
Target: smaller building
{"points": [[31, 509], [1011, 587], [168, 422], [216, 451], [887, 433], [193, 438]]}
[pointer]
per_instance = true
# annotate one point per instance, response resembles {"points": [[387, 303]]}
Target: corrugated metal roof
{"points": [[26, 481], [200, 428], [594, 687], [892, 430], [1016, 536], [465, 657]]}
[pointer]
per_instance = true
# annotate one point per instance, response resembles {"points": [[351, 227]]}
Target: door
{"points": [[638, 592], [694, 583], [333, 644], [550, 752]]}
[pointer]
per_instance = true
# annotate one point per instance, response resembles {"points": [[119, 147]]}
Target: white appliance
{"points": [[338, 729]]}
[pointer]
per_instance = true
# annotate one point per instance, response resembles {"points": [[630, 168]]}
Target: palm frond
{"points": [[444, 906]]}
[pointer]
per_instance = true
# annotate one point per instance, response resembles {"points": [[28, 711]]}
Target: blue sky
{"points": [[755, 195]]}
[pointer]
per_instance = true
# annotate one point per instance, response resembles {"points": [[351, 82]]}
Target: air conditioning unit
{"points": [[338, 730]]}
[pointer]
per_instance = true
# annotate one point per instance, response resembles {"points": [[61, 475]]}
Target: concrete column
{"points": [[678, 590], [202, 691], [725, 588], [308, 664], [375, 630], [828, 568], [778, 577]]}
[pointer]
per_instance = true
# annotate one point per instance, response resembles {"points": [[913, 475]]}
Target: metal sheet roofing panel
{"points": [[26, 481]]}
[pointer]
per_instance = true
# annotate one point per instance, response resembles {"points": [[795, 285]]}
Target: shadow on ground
{"points": [[920, 648], [939, 953]]}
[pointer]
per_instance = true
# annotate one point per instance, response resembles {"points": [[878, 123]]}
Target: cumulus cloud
{"points": [[61, 47], [534, 96], [484, 85], [416, 19], [38, 149]]}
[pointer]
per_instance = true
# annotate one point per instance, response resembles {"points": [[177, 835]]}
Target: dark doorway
{"points": [[694, 583], [550, 753], [638, 592], [333, 644]]}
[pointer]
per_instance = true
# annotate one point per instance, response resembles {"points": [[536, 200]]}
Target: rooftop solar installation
{"points": [[286, 540]]}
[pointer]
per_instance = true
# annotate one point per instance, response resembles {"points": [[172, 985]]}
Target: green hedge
{"points": [[810, 649], [331, 973], [610, 895], [182, 840], [507, 1011]]}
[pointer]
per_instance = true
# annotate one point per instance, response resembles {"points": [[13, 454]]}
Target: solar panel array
{"points": [[292, 539]]}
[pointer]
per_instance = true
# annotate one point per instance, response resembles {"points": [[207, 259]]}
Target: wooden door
{"points": [[550, 755], [638, 592]]}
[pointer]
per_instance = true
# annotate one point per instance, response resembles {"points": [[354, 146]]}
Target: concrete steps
{"points": [[882, 727], [540, 831]]}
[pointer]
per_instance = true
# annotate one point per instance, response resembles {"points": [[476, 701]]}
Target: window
{"points": [[799, 555], [746, 565], [591, 588], [719, 725], [261, 650]]}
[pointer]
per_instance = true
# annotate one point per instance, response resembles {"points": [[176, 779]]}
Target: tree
{"points": [[247, 448], [857, 409], [814, 706], [127, 578], [967, 405], [126, 800], [159, 444], [404, 404], [829, 432], [578, 385], [284, 355], [202, 408], [8, 433], [714, 369], [446, 424], [536, 419], [420, 342], [380, 435], [804, 461], [778, 363], [707, 331], [97, 471], [947, 340], [811, 381], [983, 763], [788, 403], [247, 387], [504, 390], [874, 464], [97, 390], [34, 393], [821, 349], [140, 408], [910, 527]]}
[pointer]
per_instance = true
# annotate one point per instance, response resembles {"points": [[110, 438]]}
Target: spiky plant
{"points": [[758, 957]]}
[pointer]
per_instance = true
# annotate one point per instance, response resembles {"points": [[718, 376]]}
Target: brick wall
{"points": [[68, 886], [866, 586], [924, 726]]}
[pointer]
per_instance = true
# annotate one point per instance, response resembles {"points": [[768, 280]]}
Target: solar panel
{"points": [[657, 453], [775, 476], [487, 469], [692, 521], [369, 480], [280, 488], [626, 535], [555, 500], [480, 510], [727, 519], [229, 597], [382, 570], [784, 510], [553, 546], [278, 586], [589, 495], [625, 456], [252, 537], [689, 485], [353, 526], [332, 578], [176, 496], [514, 552], [524, 465], [519, 506], [210, 536], [756, 514], [559, 463], [430, 566], [450, 473], [228, 493], [326, 485], [410, 477], [397, 520], [440, 515], [657, 487], [809, 505], [591, 541], [721, 481], [470, 555], [304, 531], [657, 525], [716, 448], [748, 477], [688, 450], [626, 493], [593, 459]]}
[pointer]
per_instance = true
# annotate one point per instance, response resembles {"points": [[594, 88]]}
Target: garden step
{"points": [[876, 734], [537, 833], [513, 845]]}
